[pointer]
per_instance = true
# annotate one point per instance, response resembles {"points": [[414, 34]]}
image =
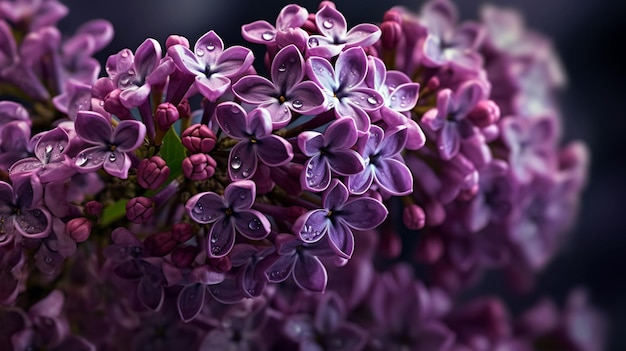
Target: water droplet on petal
{"points": [[328, 24], [112, 157], [297, 104], [131, 72], [215, 249], [372, 100], [235, 163], [199, 52], [125, 81], [124, 53], [198, 208], [246, 172], [268, 36], [210, 46], [48, 149], [251, 291], [214, 238], [282, 68], [81, 160], [254, 224], [61, 148], [242, 195], [313, 42]]}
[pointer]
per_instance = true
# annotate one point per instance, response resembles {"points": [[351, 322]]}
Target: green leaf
{"points": [[113, 212], [173, 152]]}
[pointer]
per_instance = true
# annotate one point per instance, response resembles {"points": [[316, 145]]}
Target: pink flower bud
{"points": [[391, 34], [392, 15], [183, 256], [199, 167], [139, 209], [93, 208], [78, 229], [433, 84], [166, 114], [484, 114], [182, 232], [222, 264], [198, 138], [184, 109], [176, 40], [152, 172], [413, 217], [160, 244], [309, 26]]}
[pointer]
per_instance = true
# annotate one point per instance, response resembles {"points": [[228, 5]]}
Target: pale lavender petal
{"points": [[274, 150], [322, 46], [240, 195], [310, 274], [221, 238], [307, 98], [91, 159], [310, 142], [234, 61], [312, 226], [394, 141], [231, 117], [209, 48], [467, 97], [190, 301], [347, 109], [345, 162], [185, 60], [214, 87], [134, 96], [404, 97], [353, 213], [468, 36], [25, 166], [35, 223], [205, 207], [128, 135], [287, 68], [341, 237], [258, 32], [279, 113], [259, 123], [321, 72], [147, 57], [255, 90], [351, 67], [52, 145], [93, 127], [394, 177], [252, 224], [363, 35], [291, 16], [117, 164], [330, 22], [316, 174], [449, 141]]}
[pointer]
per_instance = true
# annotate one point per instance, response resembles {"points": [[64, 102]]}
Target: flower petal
{"points": [[252, 224], [90, 159], [35, 223], [341, 238], [280, 270], [404, 97], [214, 87], [52, 145], [190, 301], [117, 164], [351, 67], [335, 196], [205, 207], [255, 90], [240, 195], [361, 182], [93, 127], [209, 48], [363, 213], [345, 162], [128, 135], [341, 134], [307, 98], [257, 32], [147, 57], [310, 274], [221, 238], [291, 16], [232, 118], [310, 142], [274, 150], [234, 61], [321, 72], [330, 22], [449, 141], [150, 294], [312, 226], [185, 60], [287, 68], [394, 177], [316, 174], [364, 35]]}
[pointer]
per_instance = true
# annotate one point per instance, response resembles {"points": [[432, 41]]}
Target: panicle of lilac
{"points": [[256, 141]]}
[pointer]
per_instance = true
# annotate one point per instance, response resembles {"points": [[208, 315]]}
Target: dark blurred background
{"points": [[589, 35]]}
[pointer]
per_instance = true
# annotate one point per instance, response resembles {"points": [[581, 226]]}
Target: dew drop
{"points": [[254, 224], [82, 159], [198, 208], [125, 81], [328, 24], [297, 104], [131, 72], [216, 249], [282, 68], [214, 238], [235, 163], [242, 195], [124, 53], [48, 149], [313, 42], [372, 100], [246, 172], [101, 103], [61, 148], [268, 36], [210, 46], [112, 157], [251, 291], [199, 53]]}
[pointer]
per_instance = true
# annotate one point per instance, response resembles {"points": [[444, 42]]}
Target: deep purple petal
{"points": [[360, 183], [255, 90], [214, 87], [281, 268], [221, 238], [35, 223], [242, 161], [274, 150], [93, 127], [251, 285], [467, 97], [310, 142], [341, 238], [351, 67], [91, 159], [394, 141], [205, 207], [394, 177], [316, 174], [287, 68], [52, 145], [347, 109], [363, 213], [345, 162], [150, 294], [307, 98], [252, 224], [190, 301], [25, 166], [310, 274], [117, 164], [335, 196], [240, 195], [341, 134], [227, 292], [312, 226], [232, 118]]}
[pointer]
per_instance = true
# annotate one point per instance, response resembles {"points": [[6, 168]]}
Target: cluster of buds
{"points": [[211, 203]]}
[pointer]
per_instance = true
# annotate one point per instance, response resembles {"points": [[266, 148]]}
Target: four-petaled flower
{"points": [[338, 217], [20, 211], [211, 64], [286, 92], [262, 32], [233, 211], [329, 151], [254, 130], [110, 146]]}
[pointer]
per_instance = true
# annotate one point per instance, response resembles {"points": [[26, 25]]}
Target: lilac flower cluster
{"points": [[184, 200]]}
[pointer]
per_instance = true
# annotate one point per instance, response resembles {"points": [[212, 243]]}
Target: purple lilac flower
{"points": [[50, 162], [335, 35], [212, 66], [444, 44], [256, 141], [300, 259], [338, 217], [383, 163], [329, 151], [229, 213], [327, 330], [262, 32], [14, 143], [34, 14], [12, 261], [12, 111], [343, 86], [449, 120], [286, 92], [110, 147], [20, 211], [250, 275]]}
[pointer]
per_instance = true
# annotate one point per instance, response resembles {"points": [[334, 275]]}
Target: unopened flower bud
{"points": [[433, 84], [176, 40], [152, 172], [93, 208], [160, 244], [413, 217], [183, 256], [222, 264], [391, 34], [182, 232], [112, 104], [484, 114], [166, 114], [309, 26], [139, 209], [392, 15], [199, 167], [184, 109], [198, 138], [78, 229]]}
